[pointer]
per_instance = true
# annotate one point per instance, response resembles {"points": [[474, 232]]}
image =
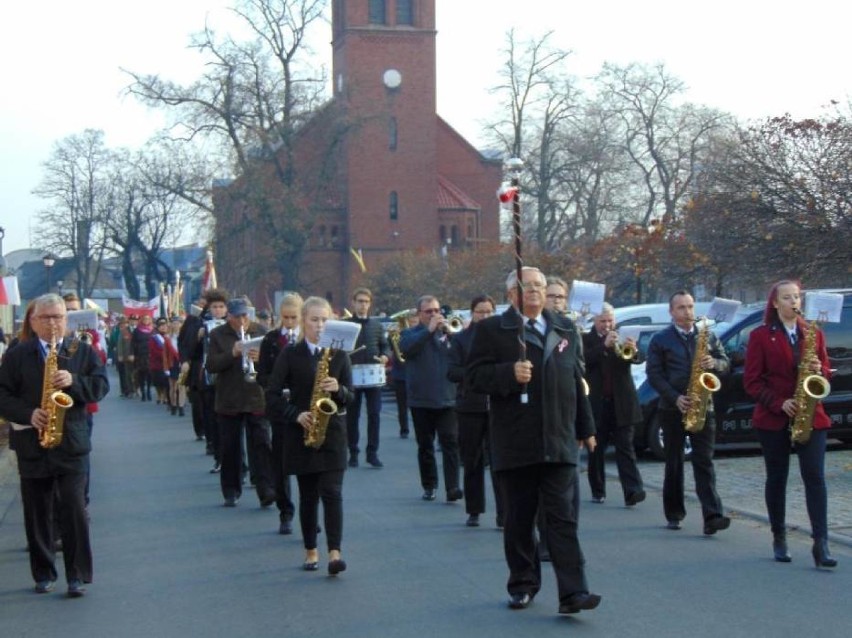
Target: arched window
{"points": [[377, 12], [443, 232], [455, 235], [393, 134], [405, 12], [393, 206]]}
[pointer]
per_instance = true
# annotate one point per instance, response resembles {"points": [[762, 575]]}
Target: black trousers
{"points": [[353, 416], [327, 487], [211, 425], [776, 446], [553, 487], [281, 480], [196, 411], [401, 395], [473, 445], [38, 496], [122, 378], [607, 431], [429, 422], [702, 466], [257, 437]]}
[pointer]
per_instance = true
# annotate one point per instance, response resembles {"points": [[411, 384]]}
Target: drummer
{"points": [[368, 376]]}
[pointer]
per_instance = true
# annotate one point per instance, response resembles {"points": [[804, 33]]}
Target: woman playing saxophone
{"points": [[318, 471], [770, 377]]}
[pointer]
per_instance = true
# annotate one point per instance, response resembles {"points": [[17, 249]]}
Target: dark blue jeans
{"points": [[776, 446], [353, 414]]}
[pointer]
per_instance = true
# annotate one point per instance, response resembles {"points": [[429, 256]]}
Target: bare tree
{"points": [[251, 101], [75, 182], [665, 140]]}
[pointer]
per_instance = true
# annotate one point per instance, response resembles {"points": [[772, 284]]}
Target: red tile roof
{"points": [[451, 197]]}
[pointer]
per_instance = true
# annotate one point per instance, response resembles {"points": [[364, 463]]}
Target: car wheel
{"points": [[657, 444]]}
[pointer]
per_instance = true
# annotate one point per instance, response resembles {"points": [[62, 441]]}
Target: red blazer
{"points": [[770, 376]]}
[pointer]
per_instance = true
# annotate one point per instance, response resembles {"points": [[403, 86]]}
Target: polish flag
{"points": [[9, 293]]}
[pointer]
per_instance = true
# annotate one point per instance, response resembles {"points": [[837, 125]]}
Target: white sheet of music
{"points": [[824, 307], [249, 344], [339, 335], [586, 297], [82, 320], [722, 310]]}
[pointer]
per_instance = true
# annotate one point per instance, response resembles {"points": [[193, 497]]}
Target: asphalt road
{"points": [[171, 561]]}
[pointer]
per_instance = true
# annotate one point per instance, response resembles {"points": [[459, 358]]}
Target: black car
{"points": [[733, 407]]}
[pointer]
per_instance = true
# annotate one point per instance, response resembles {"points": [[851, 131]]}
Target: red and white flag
{"points": [[506, 194], [9, 293], [208, 281], [139, 308]]}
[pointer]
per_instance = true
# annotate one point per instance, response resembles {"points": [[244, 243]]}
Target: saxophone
{"points": [[701, 385], [810, 388], [54, 402], [322, 407]]}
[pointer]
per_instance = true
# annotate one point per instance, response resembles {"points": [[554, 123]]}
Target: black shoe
{"points": [[454, 494], [231, 501], [267, 499], [375, 462], [779, 548], [198, 437], [519, 601], [285, 528], [428, 495], [44, 586], [336, 566], [472, 520], [310, 566], [217, 467], [579, 602], [673, 525], [75, 588], [821, 556], [403, 434], [57, 545], [635, 498], [716, 524], [353, 461], [598, 499]]}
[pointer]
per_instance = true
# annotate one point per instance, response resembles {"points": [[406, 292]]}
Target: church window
{"points": [[393, 134], [377, 12], [405, 12], [393, 206]]}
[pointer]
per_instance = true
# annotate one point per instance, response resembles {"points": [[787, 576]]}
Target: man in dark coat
{"points": [[239, 404], [540, 415], [82, 377], [615, 407], [670, 356]]}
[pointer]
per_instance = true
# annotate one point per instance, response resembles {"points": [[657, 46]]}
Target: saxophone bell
{"points": [[702, 385], [53, 401], [810, 388]]}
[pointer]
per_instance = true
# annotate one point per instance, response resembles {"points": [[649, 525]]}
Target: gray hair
{"points": [[425, 299], [48, 299], [553, 280], [606, 308], [512, 279]]}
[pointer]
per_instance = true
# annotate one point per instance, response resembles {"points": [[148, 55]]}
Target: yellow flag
{"points": [[359, 258]]}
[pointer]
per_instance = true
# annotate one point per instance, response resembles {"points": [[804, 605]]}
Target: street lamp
{"points": [[48, 262], [59, 283]]}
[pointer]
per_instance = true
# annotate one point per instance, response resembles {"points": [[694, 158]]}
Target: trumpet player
{"points": [[669, 364], [615, 406], [62, 469], [239, 404], [772, 358]]}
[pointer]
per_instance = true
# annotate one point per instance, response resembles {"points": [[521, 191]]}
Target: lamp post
{"points": [[59, 283], [48, 262]]}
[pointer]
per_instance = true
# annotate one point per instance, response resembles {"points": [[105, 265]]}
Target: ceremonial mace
{"points": [[511, 192]]}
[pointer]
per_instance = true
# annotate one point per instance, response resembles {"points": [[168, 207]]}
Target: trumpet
{"points": [[624, 350], [249, 373], [452, 323]]}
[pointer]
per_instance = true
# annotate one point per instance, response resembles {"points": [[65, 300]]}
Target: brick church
{"points": [[389, 174]]}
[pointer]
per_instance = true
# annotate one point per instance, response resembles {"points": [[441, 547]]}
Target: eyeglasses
{"points": [[483, 312], [533, 285], [431, 311], [552, 296], [47, 318]]}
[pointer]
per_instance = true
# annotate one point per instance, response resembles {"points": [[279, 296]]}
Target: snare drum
{"points": [[368, 375]]}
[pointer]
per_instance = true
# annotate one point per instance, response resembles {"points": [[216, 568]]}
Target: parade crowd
{"points": [[516, 395]]}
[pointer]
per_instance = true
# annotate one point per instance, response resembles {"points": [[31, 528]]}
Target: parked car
{"points": [[733, 407]]}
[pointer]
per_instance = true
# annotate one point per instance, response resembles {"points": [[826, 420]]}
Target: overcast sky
{"points": [[61, 63]]}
